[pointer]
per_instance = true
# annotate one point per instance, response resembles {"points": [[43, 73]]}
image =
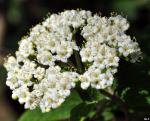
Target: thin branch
{"points": [[99, 109], [117, 99]]}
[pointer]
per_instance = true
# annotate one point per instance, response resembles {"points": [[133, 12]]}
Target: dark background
{"points": [[17, 16]]}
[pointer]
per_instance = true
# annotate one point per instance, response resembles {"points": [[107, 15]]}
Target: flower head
{"points": [[44, 71]]}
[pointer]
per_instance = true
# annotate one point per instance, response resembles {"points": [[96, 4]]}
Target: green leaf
{"points": [[81, 112], [124, 92], [63, 112], [91, 95], [108, 115], [95, 95]]}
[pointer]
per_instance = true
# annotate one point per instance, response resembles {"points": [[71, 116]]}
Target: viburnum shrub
{"points": [[68, 49]]}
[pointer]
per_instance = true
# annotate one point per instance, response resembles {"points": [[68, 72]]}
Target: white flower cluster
{"points": [[37, 74], [49, 88]]}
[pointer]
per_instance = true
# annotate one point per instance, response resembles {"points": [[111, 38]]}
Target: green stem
{"points": [[117, 99], [77, 56], [78, 61]]}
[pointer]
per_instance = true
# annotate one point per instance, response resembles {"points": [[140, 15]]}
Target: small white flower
{"points": [[45, 58], [39, 73], [26, 47]]}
